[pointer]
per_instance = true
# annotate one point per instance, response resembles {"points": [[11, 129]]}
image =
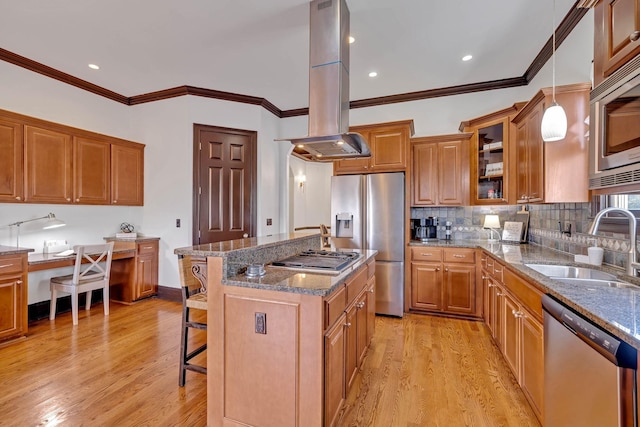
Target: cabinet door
{"points": [[389, 148], [522, 166], [425, 174], [532, 362], [127, 175], [371, 308], [11, 307], [362, 318], [351, 345], [511, 333], [460, 289], [334, 371], [147, 270], [495, 311], [451, 173], [489, 183], [426, 286], [535, 156], [621, 38], [91, 172], [486, 301], [11, 172], [48, 166]]}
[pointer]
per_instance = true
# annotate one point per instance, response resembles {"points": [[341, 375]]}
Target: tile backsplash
{"points": [[544, 227]]}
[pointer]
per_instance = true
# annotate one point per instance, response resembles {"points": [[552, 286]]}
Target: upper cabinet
{"points": [[491, 169], [440, 172], [389, 144], [44, 162], [11, 163], [553, 172], [617, 36]]}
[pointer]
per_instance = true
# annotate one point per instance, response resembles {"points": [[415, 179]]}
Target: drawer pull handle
{"points": [[6, 265], [459, 256], [147, 247], [426, 254]]}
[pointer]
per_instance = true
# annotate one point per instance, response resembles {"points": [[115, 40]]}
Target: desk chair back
{"points": [[90, 272]]}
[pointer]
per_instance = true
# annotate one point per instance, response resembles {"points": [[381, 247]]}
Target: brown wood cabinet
{"points": [[127, 175], [351, 335], [514, 316], [440, 173], [491, 168], [13, 297], [616, 36], [444, 281], [92, 160], [11, 161], [49, 164], [45, 162], [137, 278], [389, 144], [553, 172]]}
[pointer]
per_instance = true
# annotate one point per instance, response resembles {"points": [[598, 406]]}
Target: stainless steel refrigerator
{"points": [[367, 212]]}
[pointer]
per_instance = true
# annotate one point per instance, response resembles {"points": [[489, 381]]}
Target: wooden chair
{"points": [[91, 272], [194, 296]]}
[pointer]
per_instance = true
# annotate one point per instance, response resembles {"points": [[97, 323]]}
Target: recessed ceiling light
{"points": [[373, 74], [467, 58], [94, 66], [351, 39]]}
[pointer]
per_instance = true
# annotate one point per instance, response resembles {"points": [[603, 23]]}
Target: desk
{"points": [[134, 267]]}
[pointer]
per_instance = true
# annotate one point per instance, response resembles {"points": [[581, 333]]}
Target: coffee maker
{"points": [[424, 229]]}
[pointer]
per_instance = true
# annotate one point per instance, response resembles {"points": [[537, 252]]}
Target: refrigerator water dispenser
{"points": [[344, 223]]}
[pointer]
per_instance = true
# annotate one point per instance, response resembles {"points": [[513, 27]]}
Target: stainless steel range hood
{"points": [[329, 137]]}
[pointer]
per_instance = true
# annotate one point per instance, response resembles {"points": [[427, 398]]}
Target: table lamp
{"points": [[492, 222], [52, 222]]}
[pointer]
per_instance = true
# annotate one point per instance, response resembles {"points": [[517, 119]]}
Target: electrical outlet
{"points": [[269, 221], [261, 323], [178, 223], [569, 226]]}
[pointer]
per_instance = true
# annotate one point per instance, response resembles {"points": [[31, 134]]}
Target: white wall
{"points": [[166, 127]]}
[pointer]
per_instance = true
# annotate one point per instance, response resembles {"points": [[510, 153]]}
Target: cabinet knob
{"points": [[499, 294], [115, 201], [78, 200], [371, 290], [446, 269], [68, 199], [19, 282], [634, 36], [18, 198], [348, 324], [437, 268]]}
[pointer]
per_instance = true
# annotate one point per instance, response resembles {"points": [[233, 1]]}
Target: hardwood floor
{"points": [[123, 371], [434, 371]]}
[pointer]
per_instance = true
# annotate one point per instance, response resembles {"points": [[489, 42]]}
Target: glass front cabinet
{"points": [[491, 150]]}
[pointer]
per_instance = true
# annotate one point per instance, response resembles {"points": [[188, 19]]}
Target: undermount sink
{"points": [[596, 282], [567, 271]]}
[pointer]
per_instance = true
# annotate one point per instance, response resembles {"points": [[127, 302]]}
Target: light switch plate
{"points": [[261, 323]]}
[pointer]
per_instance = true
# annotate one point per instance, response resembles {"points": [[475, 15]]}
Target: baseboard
{"points": [[170, 294]]}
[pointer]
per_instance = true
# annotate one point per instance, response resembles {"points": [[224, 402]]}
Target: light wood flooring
{"points": [[123, 371]]}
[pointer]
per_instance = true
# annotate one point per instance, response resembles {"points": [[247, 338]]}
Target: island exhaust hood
{"points": [[329, 137]]}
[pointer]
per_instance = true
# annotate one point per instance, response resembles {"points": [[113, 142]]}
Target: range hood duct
{"points": [[329, 137]]}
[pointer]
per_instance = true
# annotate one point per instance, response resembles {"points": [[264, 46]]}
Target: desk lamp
{"points": [[492, 222], [52, 222]]}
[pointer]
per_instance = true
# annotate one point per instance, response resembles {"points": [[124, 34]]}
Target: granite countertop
{"points": [[302, 282], [220, 249], [12, 250], [616, 310]]}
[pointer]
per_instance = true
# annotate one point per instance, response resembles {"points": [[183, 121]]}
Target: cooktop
{"points": [[329, 261]]}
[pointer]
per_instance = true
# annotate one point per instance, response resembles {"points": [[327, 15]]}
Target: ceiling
{"points": [[260, 47]]}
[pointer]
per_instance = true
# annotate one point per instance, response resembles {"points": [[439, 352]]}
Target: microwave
{"points": [[614, 129]]}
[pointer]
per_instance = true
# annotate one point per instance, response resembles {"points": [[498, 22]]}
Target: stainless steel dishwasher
{"points": [[589, 375]]}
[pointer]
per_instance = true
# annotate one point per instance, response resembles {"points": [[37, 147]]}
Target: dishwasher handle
{"points": [[614, 349]]}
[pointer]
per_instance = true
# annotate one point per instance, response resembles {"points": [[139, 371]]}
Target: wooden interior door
{"points": [[224, 184]]}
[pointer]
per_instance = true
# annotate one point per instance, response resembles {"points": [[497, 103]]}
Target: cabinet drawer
{"points": [[356, 285], [426, 254], [498, 272], [10, 265], [460, 255], [334, 306], [528, 295], [147, 247]]}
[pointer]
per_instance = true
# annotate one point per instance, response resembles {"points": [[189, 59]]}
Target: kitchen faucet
{"points": [[632, 264]]}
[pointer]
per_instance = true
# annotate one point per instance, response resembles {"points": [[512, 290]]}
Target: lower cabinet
{"points": [[347, 340], [13, 297], [517, 331], [444, 281], [131, 283]]}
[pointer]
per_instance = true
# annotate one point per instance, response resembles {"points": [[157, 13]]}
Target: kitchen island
{"points": [[281, 346]]}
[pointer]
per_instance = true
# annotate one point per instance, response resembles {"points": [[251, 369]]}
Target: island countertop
{"points": [[616, 310]]}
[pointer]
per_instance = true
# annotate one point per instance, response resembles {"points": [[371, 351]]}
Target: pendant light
{"points": [[554, 120]]}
